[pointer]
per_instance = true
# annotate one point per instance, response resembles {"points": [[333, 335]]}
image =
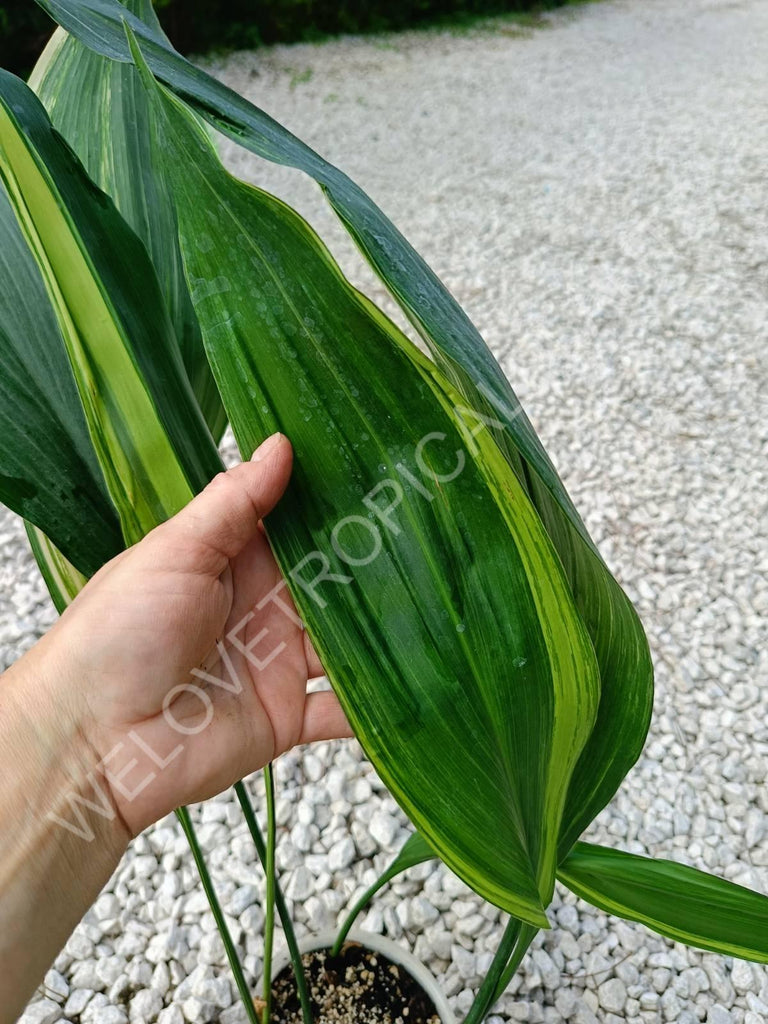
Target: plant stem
{"points": [[527, 935], [358, 908], [234, 961], [514, 943], [282, 908], [269, 909], [484, 999]]}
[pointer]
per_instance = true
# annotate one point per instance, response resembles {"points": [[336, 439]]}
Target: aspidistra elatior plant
{"points": [[491, 666]]}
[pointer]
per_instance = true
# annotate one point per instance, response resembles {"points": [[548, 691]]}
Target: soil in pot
{"points": [[359, 986]]}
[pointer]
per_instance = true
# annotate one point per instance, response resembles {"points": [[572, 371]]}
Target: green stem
{"points": [[234, 961], [514, 942], [360, 906], [485, 996], [282, 908], [527, 935], [269, 909]]}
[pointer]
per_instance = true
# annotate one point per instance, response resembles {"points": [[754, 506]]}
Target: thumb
{"points": [[217, 524]]}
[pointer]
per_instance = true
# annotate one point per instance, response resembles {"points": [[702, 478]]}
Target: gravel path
{"points": [[595, 195]]}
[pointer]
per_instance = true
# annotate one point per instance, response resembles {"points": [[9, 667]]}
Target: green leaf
{"points": [[616, 633], [63, 580], [677, 901], [415, 851], [48, 471], [145, 426], [444, 623], [101, 109], [626, 671]]}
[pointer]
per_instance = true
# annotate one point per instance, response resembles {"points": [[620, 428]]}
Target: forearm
{"points": [[51, 787]]}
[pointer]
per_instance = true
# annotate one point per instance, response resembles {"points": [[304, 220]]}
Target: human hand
{"points": [[134, 668]]}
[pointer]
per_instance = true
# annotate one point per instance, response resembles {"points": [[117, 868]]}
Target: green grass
{"points": [[512, 24], [198, 26], [515, 24], [299, 77]]}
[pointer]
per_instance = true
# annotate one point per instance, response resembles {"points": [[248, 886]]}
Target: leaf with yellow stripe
{"points": [[430, 589], [101, 109], [150, 439], [48, 470], [673, 899]]}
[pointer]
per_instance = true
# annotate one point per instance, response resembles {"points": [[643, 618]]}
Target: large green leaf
{"points": [[101, 109], [449, 632], [617, 636], [675, 900], [48, 471], [145, 426], [420, 639]]}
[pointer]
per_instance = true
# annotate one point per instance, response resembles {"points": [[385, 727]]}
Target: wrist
{"points": [[59, 791], [60, 840]]}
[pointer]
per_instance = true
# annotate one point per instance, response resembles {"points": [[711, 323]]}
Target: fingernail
{"points": [[266, 447]]}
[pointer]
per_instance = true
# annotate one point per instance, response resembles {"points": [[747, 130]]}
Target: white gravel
{"points": [[595, 195]]}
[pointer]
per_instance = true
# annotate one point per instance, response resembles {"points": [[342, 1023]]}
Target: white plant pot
{"points": [[379, 944]]}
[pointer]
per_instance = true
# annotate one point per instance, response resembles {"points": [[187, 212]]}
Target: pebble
{"points": [[56, 985], [440, 941], [301, 885], [565, 1002], [317, 915], [196, 1011], [145, 1006], [583, 1014], [313, 767], [303, 836], [743, 977], [550, 975], [211, 948], [384, 828], [242, 898], [612, 995], [670, 1005], [171, 1015], [215, 990], [161, 980], [44, 1011], [233, 1015], [423, 913], [660, 978], [471, 925], [86, 975], [465, 961], [341, 855], [719, 1015], [77, 1001], [104, 1015]]}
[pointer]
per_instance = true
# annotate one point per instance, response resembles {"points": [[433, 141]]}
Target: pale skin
{"points": [[106, 707]]}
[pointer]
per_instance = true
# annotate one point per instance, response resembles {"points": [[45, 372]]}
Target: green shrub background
{"points": [[196, 26]]}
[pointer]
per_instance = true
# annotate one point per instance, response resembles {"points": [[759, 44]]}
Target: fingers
{"points": [[216, 525], [323, 719], [314, 665]]}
